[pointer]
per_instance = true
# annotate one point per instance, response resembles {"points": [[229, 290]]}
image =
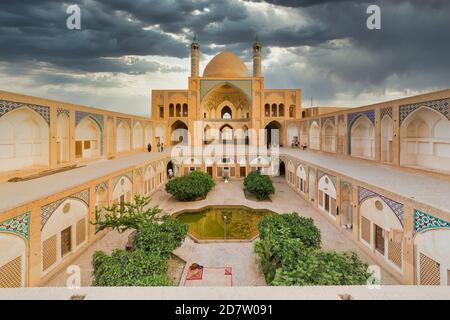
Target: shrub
{"points": [[191, 187], [161, 238], [259, 185], [291, 226], [324, 268], [289, 252], [155, 239], [129, 268]]}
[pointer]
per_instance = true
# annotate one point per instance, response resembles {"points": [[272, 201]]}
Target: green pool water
{"points": [[209, 223]]}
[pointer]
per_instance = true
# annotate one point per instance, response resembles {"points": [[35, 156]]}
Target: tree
{"points": [[128, 215], [259, 185], [191, 187]]}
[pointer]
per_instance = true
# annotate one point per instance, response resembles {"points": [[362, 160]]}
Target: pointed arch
{"points": [[13, 261], [123, 136], [329, 136], [314, 136], [425, 140], [24, 140], [138, 136], [362, 138]]}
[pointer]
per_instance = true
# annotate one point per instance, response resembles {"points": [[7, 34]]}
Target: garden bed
{"points": [[175, 268]]}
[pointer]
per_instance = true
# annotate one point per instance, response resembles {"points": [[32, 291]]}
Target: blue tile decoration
{"points": [[6, 106], [323, 120], [19, 225], [207, 85], [397, 207], [441, 106], [424, 221], [80, 115], [49, 209], [128, 175], [351, 117], [62, 111], [385, 111], [103, 185]]}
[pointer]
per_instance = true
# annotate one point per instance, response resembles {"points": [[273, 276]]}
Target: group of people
{"points": [[160, 147]]}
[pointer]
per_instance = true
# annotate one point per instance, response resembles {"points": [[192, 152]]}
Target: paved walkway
{"points": [[239, 256], [15, 194], [419, 186]]}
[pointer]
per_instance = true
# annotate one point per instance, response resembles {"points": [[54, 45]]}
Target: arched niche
{"points": [[362, 136], [381, 230], [87, 139], [24, 140], [138, 136], [328, 137], [327, 195], [433, 257], [123, 134], [123, 190], [63, 233], [314, 136], [425, 140], [13, 260], [301, 178], [149, 180]]}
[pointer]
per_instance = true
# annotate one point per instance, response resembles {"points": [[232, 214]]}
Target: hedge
{"points": [[193, 186]]}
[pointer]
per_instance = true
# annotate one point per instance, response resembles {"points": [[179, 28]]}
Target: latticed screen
{"points": [[49, 252], [395, 252], [11, 274], [81, 231], [430, 273], [365, 229]]}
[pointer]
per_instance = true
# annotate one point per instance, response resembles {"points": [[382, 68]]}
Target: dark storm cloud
{"points": [[329, 37]]}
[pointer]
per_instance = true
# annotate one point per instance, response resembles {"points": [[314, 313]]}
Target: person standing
{"points": [[159, 146], [162, 146], [149, 147]]}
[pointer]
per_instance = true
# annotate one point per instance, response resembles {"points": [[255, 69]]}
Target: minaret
{"points": [[195, 57], [257, 58]]}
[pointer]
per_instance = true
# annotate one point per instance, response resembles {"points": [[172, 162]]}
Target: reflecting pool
{"points": [[223, 222]]}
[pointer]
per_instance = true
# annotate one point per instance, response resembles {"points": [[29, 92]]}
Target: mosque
{"points": [[379, 173]]}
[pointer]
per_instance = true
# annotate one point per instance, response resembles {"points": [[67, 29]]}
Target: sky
{"points": [[125, 49]]}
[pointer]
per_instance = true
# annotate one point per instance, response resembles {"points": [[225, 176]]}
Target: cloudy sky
{"points": [[126, 48]]}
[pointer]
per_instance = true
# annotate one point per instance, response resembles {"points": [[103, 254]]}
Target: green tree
{"points": [[191, 187], [259, 185], [129, 215]]}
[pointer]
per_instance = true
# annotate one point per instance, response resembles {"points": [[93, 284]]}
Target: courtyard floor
{"points": [[239, 256]]}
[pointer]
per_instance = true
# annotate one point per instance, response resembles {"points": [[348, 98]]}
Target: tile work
{"points": [[18, 225], [441, 106], [49, 209], [6, 106], [424, 221], [397, 207]]}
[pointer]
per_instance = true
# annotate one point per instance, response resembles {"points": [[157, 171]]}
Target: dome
{"points": [[225, 64]]}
